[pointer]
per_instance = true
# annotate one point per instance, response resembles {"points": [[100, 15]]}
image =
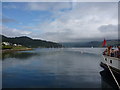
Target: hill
{"points": [[29, 42], [91, 43]]}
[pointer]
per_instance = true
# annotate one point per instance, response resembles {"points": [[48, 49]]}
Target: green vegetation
{"points": [[92, 43], [6, 47], [13, 47], [35, 43], [31, 43], [18, 47]]}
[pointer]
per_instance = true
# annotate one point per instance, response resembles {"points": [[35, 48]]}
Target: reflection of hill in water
{"points": [[107, 81], [19, 55]]}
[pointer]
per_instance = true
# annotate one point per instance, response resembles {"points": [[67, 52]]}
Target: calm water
{"points": [[69, 67]]}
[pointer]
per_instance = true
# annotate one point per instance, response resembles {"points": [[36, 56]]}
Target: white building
{"points": [[5, 43], [14, 44]]}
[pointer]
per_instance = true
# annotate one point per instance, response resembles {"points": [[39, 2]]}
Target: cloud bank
{"points": [[13, 32], [74, 21]]}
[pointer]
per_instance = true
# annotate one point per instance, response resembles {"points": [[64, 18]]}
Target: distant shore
{"points": [[12, 50]]}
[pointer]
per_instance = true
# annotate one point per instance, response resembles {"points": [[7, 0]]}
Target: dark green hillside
{"points": [[29, 42], [82, 44], [113, 42], [92, 43]]}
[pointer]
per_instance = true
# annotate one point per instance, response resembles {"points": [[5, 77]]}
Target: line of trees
{"points": [[32, 43]]}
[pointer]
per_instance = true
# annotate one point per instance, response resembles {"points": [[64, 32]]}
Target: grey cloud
{"points": [[63, 35], [13, 32], [82, 22], [108, 28]]}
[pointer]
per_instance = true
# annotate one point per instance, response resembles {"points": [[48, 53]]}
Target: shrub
{"points": [[7, 47]]}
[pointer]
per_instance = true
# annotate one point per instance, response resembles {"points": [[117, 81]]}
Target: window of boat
{"points": [[110, 61], [105, 59]]}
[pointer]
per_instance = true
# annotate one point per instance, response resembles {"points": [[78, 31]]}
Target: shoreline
{"points": [[12, 50]]}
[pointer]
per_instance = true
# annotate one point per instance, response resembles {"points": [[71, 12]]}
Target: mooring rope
{"points": [[113, 76]]}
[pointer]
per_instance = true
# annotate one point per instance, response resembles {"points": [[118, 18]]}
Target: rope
{"points": [[113, 76]]}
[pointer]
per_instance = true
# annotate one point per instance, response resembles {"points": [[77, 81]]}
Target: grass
{"points": [[15, 48], [18, 47], [8, 47]]}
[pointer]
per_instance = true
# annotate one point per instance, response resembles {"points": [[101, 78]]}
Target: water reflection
{"points": [[72, 68], [107, 81], [19, 55]]}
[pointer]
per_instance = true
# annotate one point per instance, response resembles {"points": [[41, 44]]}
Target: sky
{"points": [[61, 21]]}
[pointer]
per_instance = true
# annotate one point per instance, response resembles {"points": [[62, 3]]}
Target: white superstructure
{"points": [[111, 61]]}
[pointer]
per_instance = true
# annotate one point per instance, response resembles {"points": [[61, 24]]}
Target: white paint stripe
{"points": [[113, 76]]}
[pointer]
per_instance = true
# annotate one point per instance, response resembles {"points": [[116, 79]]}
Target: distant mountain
{"points": [[29, 42], [91, 43]]}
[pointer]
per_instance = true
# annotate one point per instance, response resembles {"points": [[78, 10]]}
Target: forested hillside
{"points": [[29, 42]]}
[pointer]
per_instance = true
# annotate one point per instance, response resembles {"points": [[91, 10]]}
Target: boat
{"points": [[112, 62], [111, 58], [108, 83]]}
